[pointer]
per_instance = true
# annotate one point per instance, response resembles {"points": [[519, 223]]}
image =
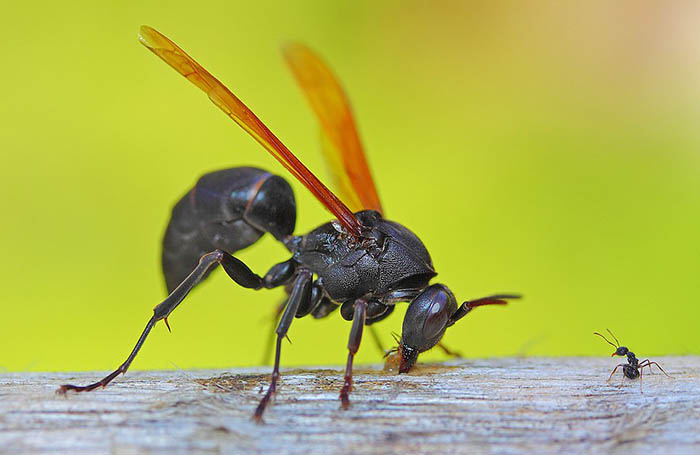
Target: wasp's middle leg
{"points": [[300, 295], [358, 323]]}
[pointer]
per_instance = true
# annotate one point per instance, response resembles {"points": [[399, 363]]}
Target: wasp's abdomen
{"points": [[229, 210]]}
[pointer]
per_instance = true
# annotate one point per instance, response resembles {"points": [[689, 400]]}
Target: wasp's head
{"points": [[424, 324]]}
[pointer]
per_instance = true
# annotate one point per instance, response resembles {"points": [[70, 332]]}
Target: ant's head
{"points": [[619, 350], [425, 322]]}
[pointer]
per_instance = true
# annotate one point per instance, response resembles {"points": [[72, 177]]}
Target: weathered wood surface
{"points": [[500, 406]]}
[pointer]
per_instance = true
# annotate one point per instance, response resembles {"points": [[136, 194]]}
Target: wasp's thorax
{"points": [[388, 264]]}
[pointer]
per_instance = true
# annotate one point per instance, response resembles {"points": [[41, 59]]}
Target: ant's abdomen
{"points": [[630, 371], [229, 210]]}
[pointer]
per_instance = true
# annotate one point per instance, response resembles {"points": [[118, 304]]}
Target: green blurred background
{"points": [[541, 148]]}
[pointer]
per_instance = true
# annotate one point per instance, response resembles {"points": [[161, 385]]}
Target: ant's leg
{"points": [[659, 367], [358, 323], [647, 364], [301, 294], [650, 363], [642, 364], [613, 371], [236, 269], [466, 307], [640, 380]]}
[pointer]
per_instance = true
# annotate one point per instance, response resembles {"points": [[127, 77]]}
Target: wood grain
{"points": [[496, 406]]}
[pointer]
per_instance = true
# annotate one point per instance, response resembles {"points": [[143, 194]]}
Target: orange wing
{"points": [[239, 113], [340, 141]]}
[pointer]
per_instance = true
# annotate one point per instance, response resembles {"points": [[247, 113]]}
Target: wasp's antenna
{"points": [[611, 334], [603, 337]]}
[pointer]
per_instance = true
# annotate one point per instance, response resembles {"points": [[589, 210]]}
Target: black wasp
{"points": [[633, 368], [361, 262]]}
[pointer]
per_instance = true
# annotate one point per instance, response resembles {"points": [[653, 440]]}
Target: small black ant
{"points": [[633, 368]]}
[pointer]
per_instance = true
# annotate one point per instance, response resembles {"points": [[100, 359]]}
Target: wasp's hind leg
{"points": [[237, 270]]}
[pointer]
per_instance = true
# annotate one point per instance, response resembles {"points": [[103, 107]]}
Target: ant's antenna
{"points": [[608, 341], [611, 334]]}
